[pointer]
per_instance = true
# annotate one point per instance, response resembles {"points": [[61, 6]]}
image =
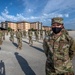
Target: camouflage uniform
{"points": [[36, 35], [65, 31], [41, 34], [12, 35], [59, 51], [48, 32], [19, 38], [3, 35], [7, 32], [24, 33], [30, 37]]}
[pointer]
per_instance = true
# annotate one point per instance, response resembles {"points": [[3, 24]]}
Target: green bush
{"points": [[9, 29]]}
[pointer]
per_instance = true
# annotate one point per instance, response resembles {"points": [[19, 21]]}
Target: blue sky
{"points": [[38, 10]]}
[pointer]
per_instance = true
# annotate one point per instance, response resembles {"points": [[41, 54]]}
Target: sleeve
{"points": [[16, 34], [45, 47], [21, 34], [72, 48]]}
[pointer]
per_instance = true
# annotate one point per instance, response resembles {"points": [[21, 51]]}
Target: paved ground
{"points": [[28, 61]]}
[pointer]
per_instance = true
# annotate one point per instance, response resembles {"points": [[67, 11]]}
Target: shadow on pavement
{"points": [[24, 65], [2, 68], [15, 44], [0, 48], [40, 42], [25, 42], [37, 48]]}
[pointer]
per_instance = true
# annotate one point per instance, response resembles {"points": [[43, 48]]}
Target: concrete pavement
{"points": [[28, 61]]}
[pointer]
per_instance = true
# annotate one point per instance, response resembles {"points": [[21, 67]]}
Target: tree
{"points": [[9, 29]]}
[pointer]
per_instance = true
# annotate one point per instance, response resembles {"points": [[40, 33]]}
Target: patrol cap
{"points": [[57, 20]]}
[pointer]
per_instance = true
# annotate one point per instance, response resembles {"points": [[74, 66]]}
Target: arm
{"points": [[45, 46], [72, 48]]}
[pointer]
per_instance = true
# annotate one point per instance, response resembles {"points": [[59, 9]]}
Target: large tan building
{"points": [[20, 25], [23, 25], [36, 25], [27, 26], [10, 24], [47, 28]]}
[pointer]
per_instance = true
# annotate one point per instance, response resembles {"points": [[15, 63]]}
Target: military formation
{"points": [[21, 34], [58, 46], [12, 35]]}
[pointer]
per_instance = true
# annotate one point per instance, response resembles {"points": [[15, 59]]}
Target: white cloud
{"points": [[28, 5], [58, 5], [5, 16], [59, 8], [2, 19], [51, 15], [19, 17], [45, 14], [66, 15], [29, 10], [32, 17], [51, 6], [5, 11], [50, 10]]}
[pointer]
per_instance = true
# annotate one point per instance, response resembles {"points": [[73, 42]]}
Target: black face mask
{"points": [[56, 30]]}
